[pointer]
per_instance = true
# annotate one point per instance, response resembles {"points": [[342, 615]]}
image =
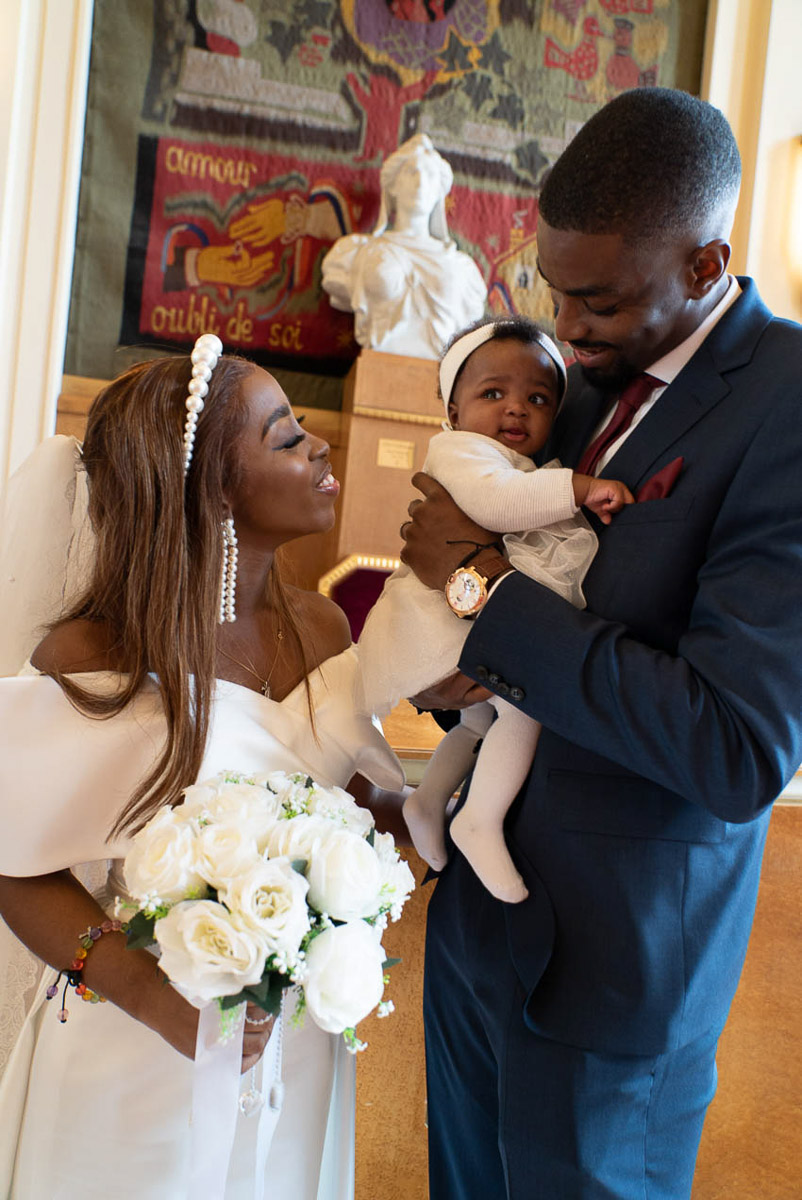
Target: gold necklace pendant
{"points": [[264, 684]]}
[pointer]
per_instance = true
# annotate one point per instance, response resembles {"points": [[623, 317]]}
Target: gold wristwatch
{"points": [[466, 589]]}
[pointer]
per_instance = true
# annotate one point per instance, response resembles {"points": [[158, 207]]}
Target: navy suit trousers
{"points": [[515, 1116]]}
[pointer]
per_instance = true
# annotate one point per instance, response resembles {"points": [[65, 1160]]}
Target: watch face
{"points": [[464, 592]]}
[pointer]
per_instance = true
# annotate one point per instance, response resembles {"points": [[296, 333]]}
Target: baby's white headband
{"points": [[204, 356], [456, 354]]}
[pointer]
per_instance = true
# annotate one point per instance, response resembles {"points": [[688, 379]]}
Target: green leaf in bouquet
{"points": [[267, 993], [390, 962], [299, 865], [227, 1002], [297, 1018], [140, 931], [371, 838], [309, 782], [353, 1043]]}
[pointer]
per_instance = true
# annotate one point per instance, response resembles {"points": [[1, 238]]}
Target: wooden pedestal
{"points": [[390, 411]]}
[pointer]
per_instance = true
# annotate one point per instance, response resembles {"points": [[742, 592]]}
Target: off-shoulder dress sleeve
{"points": [[64, 779]]}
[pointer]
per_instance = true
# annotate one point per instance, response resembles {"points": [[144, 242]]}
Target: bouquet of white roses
{"points": [[258, 883]]}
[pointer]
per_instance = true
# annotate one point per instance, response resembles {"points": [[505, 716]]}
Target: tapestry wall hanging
{"points": [[230, 142]]}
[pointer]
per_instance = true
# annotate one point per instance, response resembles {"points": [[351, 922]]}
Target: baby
{"points": [[501, 381]]}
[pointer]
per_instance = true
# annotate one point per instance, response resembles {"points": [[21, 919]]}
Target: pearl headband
{"points": [[205, 353], [457, 353]]}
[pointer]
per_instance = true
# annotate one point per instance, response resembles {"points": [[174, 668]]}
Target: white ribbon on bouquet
{"points": [[216, 1109]]}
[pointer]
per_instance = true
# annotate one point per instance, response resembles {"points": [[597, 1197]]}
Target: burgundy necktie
{"points": [[634, 394]]}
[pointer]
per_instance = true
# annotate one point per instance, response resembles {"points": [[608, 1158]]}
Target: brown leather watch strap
{"points": [[492, 567]]}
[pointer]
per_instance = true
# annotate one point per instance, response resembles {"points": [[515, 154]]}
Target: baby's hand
{"points": [[602, 496]]}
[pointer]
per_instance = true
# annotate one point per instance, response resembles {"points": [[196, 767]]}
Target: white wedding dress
{"points": [[100, 1107]]}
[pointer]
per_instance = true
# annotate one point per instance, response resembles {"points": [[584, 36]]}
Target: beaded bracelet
{"points": [[260, 1020], [73, 973]]}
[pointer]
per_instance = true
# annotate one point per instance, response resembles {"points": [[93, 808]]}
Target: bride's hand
{"points": [[177, 1022], [258, 1027]]}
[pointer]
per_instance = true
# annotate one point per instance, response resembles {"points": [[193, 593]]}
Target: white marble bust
{"points": [[407, 284]]}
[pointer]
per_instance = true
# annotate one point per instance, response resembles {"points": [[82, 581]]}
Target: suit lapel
{"points": [[697, 389]]}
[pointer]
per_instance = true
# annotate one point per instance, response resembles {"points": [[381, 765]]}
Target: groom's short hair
{"points": [[653, 163]]}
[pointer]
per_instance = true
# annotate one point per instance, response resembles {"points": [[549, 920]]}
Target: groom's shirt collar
{"points": [[669, 366]]}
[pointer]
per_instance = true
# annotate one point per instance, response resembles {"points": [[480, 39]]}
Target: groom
{"points": [[571, 1039]]}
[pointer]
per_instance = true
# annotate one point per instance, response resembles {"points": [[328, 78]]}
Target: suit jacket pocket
{"points": [[670, 508], [628, 806]]}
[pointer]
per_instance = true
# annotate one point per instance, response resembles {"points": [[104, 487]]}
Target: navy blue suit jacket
{"points": [[671, 706]]}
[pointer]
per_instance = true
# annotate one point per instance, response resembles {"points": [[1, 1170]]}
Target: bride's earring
{"points": [[228, 580]]}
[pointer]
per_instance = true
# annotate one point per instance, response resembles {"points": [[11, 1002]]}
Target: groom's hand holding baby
{"points": [[438, 533]]}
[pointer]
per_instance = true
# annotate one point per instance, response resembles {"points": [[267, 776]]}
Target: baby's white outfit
{"points": [[412, 640]]}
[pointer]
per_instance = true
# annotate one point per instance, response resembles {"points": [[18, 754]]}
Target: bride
{"points": [[182, 655]]}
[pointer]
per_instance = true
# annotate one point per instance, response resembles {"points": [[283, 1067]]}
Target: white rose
{"points": [[338, 805], [345, 977], [291, 791], [298, 836], [250, 806], [205, 953], [198, 796], [345, 877], [161, 863], [271, 900], [397, 878], [224, 851]]}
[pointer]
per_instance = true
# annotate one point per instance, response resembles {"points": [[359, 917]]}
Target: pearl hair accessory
{"points": [[228, 581], [204, 356]]}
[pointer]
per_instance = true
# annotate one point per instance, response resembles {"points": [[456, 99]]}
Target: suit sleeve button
{"points": [[517, 693], [481, 672], [503, 688], [493, 679]]}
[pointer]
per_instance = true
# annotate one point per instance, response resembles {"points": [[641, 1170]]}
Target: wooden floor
{"points": [[752, 1143], [391, 1161]]}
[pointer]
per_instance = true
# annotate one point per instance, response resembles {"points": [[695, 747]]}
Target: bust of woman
{"points": [[407, 284]]}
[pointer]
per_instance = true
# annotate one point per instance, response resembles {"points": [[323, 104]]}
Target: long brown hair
{"points": [[156, 577]]}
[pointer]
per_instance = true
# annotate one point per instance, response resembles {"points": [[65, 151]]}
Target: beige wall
{"points": [[752, 74], [778, 142], [44, 61]]}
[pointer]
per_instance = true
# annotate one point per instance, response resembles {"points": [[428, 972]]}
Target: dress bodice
{"points": [[60, 794]]}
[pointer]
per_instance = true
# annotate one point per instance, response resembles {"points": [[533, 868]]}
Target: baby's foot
{"points": [[426, 828], [486, 851]]}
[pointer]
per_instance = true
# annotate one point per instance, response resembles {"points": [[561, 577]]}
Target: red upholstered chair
{"points": [[355, 584]]}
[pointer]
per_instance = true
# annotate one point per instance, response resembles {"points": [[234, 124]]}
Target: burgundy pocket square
{"points": [[660, 485]]}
